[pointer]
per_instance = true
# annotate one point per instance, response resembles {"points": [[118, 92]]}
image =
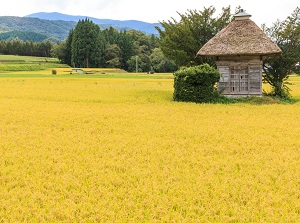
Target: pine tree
{"points": [[88, 45]]}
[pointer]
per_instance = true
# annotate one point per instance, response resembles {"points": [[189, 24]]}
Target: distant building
{"points": [[239, 49]]}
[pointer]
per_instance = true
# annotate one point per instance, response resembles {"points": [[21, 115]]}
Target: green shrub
{"points": [[196, 84], [54, 72]]}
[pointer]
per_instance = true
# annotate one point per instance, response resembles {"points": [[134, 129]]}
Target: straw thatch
{"points": [[240, 37]]}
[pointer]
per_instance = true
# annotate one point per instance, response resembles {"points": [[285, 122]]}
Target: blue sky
{"points": [[148, 11]]}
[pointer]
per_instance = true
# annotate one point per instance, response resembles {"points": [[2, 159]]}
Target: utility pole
{"points": [[136, 64]]}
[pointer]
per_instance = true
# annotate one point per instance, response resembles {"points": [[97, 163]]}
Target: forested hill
{"points": [[53, 29], [145, 27], [56, 26], [26, 36]]}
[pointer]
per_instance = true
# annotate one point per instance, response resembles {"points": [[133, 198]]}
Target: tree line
{"points": [[89, 46], [18, 47]]}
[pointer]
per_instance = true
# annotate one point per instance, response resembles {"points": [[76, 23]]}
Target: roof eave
{"points": [[237, 55]]}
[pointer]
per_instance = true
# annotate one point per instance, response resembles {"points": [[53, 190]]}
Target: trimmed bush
{"points": [[196, 84]]}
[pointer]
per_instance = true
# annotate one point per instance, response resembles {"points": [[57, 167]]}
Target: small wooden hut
{"points": [[239, 49]]}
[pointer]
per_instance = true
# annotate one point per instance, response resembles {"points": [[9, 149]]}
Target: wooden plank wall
{"points": [[255, 78], [254, 74], [224, 82]]}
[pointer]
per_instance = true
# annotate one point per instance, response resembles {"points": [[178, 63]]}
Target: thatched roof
{"points": [[240, 37]]}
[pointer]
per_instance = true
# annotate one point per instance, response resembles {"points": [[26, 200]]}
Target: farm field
{"points": [[10, 63], [119, 149]]}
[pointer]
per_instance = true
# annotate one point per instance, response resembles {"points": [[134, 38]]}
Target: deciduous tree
{"points": [[160, 63], [180, 40], [286, 35]]}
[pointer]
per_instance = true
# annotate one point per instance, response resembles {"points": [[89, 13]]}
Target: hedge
{"points": [[196, 84]]}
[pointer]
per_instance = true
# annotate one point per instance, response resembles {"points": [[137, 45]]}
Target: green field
{"points": [[10, 63], [117, 148]]}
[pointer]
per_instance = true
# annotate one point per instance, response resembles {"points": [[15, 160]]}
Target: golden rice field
{"points": [[120, 150]]}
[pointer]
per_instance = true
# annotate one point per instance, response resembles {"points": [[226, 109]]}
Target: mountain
{"points": [[52, 29], [56, 26], [147, 28]]}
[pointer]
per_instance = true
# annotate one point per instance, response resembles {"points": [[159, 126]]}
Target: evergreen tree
{"points": [[125, 43], [125, 47], [111, 35], [68, 48], [87, 45]]}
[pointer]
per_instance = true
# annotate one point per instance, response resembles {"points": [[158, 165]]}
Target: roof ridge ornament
{"points": [[242, 15]]}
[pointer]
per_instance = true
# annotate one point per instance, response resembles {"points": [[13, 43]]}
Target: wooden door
{"points": [[239, 79]]}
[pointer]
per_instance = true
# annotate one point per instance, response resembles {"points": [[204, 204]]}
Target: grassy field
{"points": [[79, 148], [9, 63]]}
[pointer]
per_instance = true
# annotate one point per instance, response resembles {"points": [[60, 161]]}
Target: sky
{"points": [[152, 11]]}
